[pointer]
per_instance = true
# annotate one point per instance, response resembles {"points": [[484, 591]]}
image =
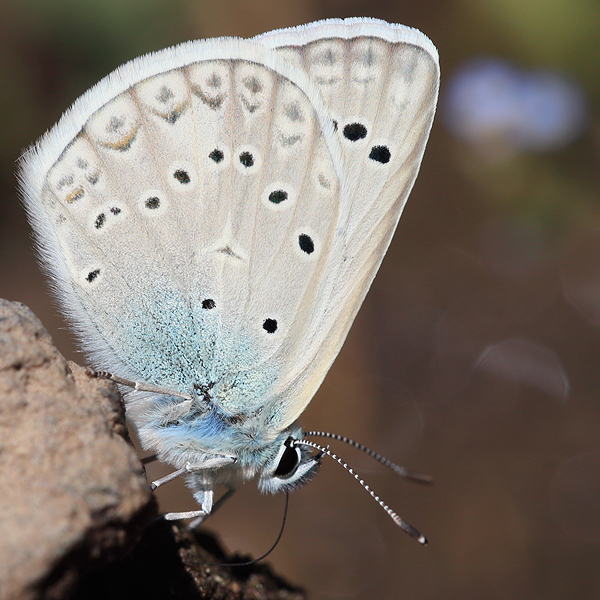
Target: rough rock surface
{"points": [[76, 512], [73, 492], [171, 563]]}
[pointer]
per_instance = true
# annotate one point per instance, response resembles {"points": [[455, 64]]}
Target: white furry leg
{"points": [[201, 517]]}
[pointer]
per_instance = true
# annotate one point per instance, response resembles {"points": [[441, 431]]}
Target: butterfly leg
{"points": [[190, 514], [137, 385], [203, 494], [201, 483], [201, 518], [215, 462], [146, 460], [158, 482], [203, 488]]}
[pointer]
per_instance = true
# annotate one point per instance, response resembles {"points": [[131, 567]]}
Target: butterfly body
{"points": [[211, 217]]}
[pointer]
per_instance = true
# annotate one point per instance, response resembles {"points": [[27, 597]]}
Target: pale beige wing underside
{"points": [[382, 94], [214, 214], [190, 219]]}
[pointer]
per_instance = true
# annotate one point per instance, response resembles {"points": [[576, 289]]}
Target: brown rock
{"points": [[172, 562], [74, 501], [72, 490]]}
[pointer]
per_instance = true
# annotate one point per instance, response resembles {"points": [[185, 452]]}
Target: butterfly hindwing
{"points": [[379, 83]]}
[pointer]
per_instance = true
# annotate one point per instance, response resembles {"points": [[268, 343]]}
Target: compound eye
{"points": [[290, 459]]}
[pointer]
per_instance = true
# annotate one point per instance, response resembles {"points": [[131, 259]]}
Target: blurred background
{"points": [[476, 356]]}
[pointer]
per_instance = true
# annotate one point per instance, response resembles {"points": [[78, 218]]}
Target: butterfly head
{"points": [[291, 467]]}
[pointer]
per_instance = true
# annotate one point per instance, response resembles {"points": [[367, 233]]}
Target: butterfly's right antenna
{"points": [[406, 527], [405, 473]]}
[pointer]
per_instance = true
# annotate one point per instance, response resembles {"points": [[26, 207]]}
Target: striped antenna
{"points": [[403, 472], [406, 527]]}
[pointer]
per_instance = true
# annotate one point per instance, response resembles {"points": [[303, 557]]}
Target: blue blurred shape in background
{"points": [[494, 105]]}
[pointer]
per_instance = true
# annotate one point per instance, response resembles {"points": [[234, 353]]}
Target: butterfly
{"points": [[211, 217]]}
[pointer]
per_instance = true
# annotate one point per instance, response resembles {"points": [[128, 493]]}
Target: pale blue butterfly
{"points": [[211, 217]]}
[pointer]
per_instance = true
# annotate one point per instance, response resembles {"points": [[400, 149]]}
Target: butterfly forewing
{"points": [[189, 234]]}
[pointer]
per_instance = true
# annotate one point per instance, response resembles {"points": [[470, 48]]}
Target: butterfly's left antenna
{"points": [[402, 471], [406, 527]]}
